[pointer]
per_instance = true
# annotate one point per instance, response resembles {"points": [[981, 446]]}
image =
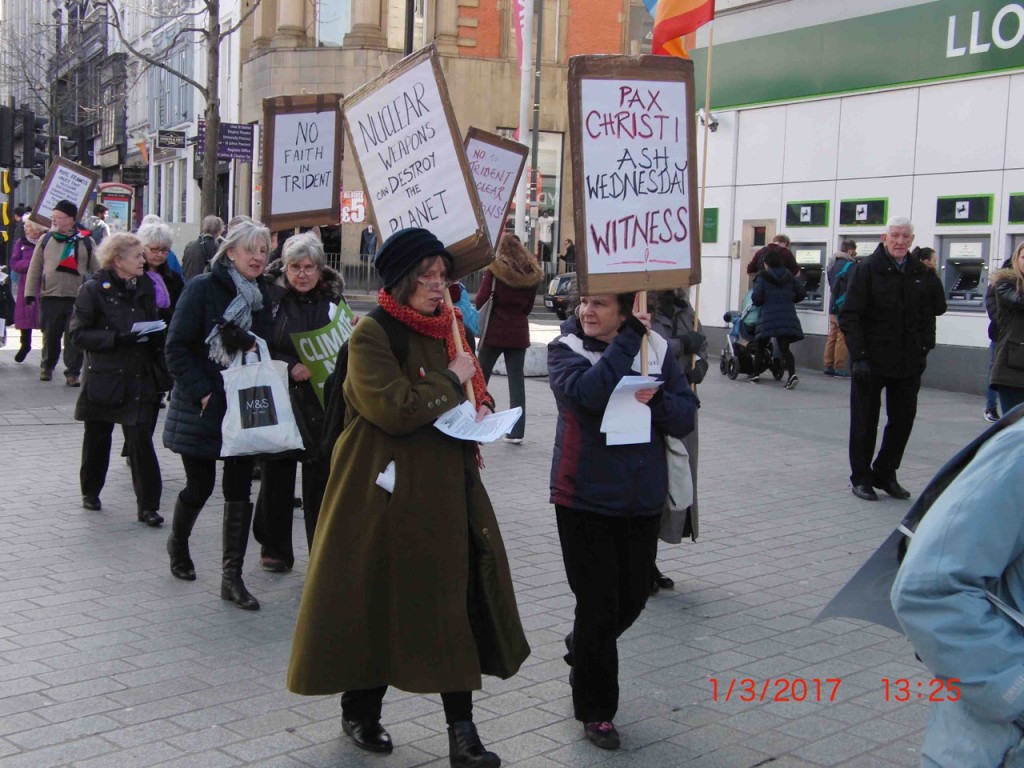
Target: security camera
{"points": [[708, 118]]}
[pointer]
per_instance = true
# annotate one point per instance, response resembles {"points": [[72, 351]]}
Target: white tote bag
{"points": [[259, 417]]}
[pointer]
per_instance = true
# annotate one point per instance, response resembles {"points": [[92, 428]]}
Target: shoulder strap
{"points": [[845, 269], [398, 334], [44, 240]]}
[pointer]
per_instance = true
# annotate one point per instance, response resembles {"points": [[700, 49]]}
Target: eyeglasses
{"points": [[307, 270], [434, 283], [155, 249]]}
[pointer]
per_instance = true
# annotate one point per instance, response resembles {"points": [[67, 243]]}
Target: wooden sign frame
{"points": [[91, 176], [506, 145], [666, 69], [474, 251], [293, 105]]}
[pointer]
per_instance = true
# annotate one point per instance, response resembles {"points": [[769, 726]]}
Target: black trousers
{"points": [[272, 523], [514, 361], [200, 475], [54, 320], [138, 443], [865, 408], [366, 705], [608, 561]]}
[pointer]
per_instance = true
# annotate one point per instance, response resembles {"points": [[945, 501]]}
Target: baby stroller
{"points": [[742, 354]]}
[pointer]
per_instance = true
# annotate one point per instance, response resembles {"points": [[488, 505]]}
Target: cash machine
{"points": [[963, 269], [810, 257]]}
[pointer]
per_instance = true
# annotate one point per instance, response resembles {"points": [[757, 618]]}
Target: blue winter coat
{"points": [[776, 292], [971, 541], [189, 429], [586, 473]]}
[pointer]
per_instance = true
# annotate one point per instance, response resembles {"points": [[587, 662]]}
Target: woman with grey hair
{"points": [[302, 290], [157, 241], [219, 314], [172, 258]]}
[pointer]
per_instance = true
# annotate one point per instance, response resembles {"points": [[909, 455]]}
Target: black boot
{"points": [[177, 543], [237, 520], [465, 749]]}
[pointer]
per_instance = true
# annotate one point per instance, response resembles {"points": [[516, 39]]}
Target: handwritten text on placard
{"points": [[494, 172], [410, 160], [634, 137], [304, 162], [66, 185]]}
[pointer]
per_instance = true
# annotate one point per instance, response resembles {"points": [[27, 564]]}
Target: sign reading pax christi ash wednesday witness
{"points": [[410, 157], [634, 173]]}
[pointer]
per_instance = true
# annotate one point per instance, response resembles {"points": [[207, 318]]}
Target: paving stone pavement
{"points": [[106, 660]]}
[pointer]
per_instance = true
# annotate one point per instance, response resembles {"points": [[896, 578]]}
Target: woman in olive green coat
{"points": [[408, 586]]}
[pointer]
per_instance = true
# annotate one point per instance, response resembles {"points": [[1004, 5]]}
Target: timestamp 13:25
{"points": [[902, 689]]}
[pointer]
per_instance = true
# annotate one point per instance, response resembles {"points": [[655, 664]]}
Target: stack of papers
{"points": [[626, 420], [147, 327], [460, 422]]}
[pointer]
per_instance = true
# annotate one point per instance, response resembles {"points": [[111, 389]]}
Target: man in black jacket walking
{"points": [[199, 252], [888, 319]]}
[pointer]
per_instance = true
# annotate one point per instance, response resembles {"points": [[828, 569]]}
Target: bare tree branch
{"points": [[241, 21]]}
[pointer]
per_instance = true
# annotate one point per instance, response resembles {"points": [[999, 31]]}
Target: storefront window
{"points": [[168, 212]]}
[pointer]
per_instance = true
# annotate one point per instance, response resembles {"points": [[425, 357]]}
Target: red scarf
{"points": [[437, 326]]}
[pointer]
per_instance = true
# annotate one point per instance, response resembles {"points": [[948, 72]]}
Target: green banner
{"points": [[710, 232], [930, 41], [318, 350]]}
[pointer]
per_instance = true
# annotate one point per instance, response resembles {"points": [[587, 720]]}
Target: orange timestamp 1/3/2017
{"points": [[781, 689]]}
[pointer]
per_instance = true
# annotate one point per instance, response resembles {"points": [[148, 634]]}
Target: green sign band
{"points": [[318, 350]]}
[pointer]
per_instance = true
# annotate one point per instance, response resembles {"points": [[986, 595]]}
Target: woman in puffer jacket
{"points": [[777, 292]]}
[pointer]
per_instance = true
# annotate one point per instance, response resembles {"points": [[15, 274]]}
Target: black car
{"points": [[557, 297]]}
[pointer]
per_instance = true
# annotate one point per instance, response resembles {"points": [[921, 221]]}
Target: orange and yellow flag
{"points": [[674, 19]]}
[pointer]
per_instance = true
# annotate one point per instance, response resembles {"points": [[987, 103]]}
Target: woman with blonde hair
{"points": [[511, 279], [1008, 366], [124, 372]]}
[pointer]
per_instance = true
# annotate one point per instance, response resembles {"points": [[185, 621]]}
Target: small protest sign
{"points": [[64, 181], [496, 164], [302, 152], [409, 152], [634, 172], [318, 350]]}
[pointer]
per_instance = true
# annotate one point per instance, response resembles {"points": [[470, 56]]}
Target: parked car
{"points": [[557, 297]]}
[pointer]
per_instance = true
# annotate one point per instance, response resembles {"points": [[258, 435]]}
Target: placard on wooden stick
{"points": [[496, 164], [634, 163], [302, 152], [409, 152], [64, 181]]}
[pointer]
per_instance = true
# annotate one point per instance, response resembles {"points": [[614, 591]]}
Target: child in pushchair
{"points": [[742, 354]]}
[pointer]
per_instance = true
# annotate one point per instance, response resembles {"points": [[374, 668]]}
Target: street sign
{"points": [[170, 139], [236, 141]]}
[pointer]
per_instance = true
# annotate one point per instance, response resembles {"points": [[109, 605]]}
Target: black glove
{"points": [[635, 324], [692, 342], [235, 339], [862, 370], [127, 338]]}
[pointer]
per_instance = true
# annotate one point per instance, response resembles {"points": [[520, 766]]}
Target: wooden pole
{"points": [[458, 342], [641, 306]]}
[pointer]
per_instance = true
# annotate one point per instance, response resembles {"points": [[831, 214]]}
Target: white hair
{"points": [[157, 233], [899, 221]]}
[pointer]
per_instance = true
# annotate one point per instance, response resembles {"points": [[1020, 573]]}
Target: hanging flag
{"points": [[674, 19]]}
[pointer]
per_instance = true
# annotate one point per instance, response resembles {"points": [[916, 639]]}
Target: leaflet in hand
{"points": [[460, 422], [146, 327], [626, 420]]}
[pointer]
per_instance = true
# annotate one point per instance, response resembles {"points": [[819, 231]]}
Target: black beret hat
{"points": [[404, 250], [67, 208]]}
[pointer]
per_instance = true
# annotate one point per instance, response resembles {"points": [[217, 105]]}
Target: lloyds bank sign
{"points": [[927, 42]]}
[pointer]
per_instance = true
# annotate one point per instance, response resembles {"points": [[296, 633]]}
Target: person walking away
{"points": [[125, 376], [777, 292], [201, 251], [157, 240], [608, 498], [302, 290], [218, 315], [98, 227], [410, 580], [838, 276], [569, 257], [512, 279], [675, 320], [26, 313], [888, 320], [60, 263], [1007, 376], [992, 310]]}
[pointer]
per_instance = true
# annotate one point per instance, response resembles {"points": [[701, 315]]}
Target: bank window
{"points": [[333, 21]]}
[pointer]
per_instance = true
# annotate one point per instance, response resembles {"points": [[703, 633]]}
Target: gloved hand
{"points": [[692, 342], [862, 370], [127, 338], [632, 321], [235, 339]]}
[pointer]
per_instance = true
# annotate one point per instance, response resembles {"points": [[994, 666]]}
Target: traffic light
{"points": [[71, 149], [35, 143], [6, 136]]}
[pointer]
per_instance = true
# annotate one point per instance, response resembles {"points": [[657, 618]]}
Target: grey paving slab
{"points": [[106, 660]]}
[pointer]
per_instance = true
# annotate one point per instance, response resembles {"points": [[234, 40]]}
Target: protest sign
{"points": [[302, 152], [64, 181], [318, 350], [409, 152], [634, 173], [496, 164]]}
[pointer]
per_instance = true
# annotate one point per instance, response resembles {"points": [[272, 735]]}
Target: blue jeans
{"points": [[990, 394]]}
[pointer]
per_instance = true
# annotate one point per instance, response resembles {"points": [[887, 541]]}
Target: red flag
{"points": [[674, 19]]}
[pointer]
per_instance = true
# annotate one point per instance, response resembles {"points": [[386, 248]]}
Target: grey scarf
{"points": [[248, 299]]}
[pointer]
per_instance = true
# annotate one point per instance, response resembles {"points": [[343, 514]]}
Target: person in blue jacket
{"points": [[955, 594], [777, 292], [608, 498]]}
